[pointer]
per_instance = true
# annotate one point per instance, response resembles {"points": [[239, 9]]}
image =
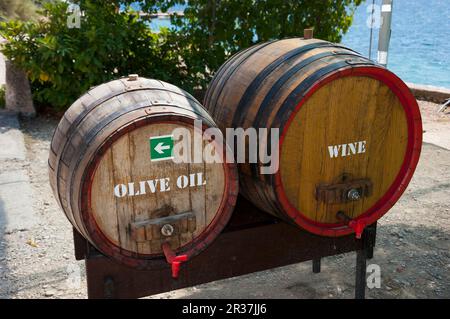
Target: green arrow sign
{"points": [[161, 147]]}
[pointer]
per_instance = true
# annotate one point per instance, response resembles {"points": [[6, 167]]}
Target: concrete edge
{"points": [[429, 93]]}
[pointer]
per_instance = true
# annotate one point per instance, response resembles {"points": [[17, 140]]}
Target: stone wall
{"points": [[429, 93]]}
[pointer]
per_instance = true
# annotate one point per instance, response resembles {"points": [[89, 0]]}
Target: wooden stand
{"points": [[253, 241]]}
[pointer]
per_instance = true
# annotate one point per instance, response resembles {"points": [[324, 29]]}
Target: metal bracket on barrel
{"points": [[164, 227], [344, 191]]}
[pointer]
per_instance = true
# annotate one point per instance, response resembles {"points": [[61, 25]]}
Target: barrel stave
{"points": [[320, 94], [100, 142]]}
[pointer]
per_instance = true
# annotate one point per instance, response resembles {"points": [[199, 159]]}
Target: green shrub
{"points": [[62, 63], [212, 30]]}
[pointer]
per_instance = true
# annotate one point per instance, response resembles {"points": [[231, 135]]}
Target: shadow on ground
{"points": [[414, 263]]}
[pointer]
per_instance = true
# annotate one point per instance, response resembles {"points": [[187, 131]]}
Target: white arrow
{"points": [[160, 148]]}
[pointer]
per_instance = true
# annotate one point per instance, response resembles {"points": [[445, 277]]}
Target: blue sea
{"points": [[419, 50]]}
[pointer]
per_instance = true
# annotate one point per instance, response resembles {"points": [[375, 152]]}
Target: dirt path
{"points": [[413, 245]]}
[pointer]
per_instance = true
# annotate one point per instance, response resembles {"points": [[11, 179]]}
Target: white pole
{"points": [[385, 32]]}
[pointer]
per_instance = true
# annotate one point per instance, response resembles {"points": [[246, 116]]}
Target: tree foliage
{"points": [[62, 63], [212, 30]]}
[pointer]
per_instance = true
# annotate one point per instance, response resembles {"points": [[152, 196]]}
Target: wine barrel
{"points": [[350, 131], [114, 172]]}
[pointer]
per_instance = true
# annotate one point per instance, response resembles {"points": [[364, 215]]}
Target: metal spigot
{"points": [[167, 230]]}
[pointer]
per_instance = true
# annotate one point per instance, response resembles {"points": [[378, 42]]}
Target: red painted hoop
{"points": [[141, 261], [406, 171]]}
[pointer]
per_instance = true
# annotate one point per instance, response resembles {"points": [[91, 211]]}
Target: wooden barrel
{"points": [[350, 131], [114, 172]]}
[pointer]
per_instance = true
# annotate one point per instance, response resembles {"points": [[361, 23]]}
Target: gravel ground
{"points": [[413, 242]]}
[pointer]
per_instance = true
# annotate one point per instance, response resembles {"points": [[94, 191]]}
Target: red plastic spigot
{"points": [[358, 226], [173, 260], [176, 263]]}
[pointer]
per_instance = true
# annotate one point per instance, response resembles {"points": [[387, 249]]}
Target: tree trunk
{"points": [[18, 96]]}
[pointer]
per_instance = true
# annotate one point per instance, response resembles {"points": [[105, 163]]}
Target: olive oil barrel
{"points": [[349, 131], [114, 172]]}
